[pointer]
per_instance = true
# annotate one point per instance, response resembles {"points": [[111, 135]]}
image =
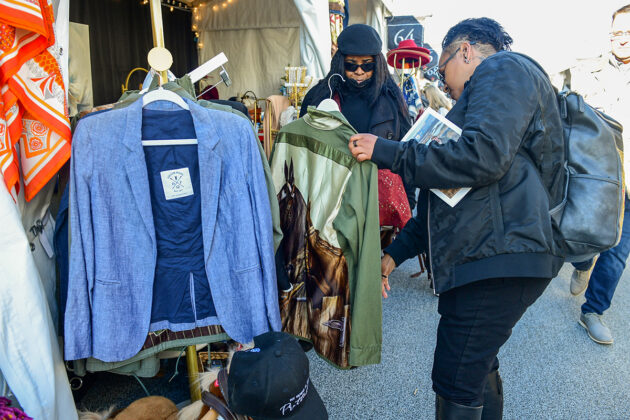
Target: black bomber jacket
{"points": [[511, 153]]}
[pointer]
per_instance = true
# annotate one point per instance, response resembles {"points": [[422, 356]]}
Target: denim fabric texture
{"points": [[113, 250], [608, 270]]}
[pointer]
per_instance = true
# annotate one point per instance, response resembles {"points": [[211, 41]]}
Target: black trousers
{"points": [[476, 320]]}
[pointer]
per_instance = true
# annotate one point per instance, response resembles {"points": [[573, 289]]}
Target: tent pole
{"points": [[158, 31], [158, 41]]}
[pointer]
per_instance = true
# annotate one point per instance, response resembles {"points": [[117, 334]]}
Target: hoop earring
{"points": [[466, 60]]}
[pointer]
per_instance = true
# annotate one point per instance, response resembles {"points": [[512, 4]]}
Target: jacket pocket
{"points": [[107, 282], [240, 271], [497, 216]]}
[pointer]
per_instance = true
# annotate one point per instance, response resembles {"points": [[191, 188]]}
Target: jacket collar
{"points": [[384, 110], [204, 127], [209, 165], [324, 120]]}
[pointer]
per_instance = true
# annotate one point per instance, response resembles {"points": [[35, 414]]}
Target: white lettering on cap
{"points": [[295, 401]]}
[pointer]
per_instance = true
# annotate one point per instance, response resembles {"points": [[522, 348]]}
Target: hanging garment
{"points": [[39, 225], [336, 9], [181, 290], [113, 250], [411, 93], [329, 217], [184, 88], [30, 359], [393, 207], [33, 115]]}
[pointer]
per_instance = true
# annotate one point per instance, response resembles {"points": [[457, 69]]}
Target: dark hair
{"points": [[624, 9], [481, 31], [382, 83]]}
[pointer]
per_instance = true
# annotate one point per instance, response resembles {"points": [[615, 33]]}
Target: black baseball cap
{"points": [[271, 381]]}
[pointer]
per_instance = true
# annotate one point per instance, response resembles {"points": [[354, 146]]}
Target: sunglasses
{"points": [[442, 68], [353, 66]]}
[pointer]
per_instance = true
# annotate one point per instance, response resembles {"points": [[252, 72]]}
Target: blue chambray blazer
{"points": [[113, 246]]}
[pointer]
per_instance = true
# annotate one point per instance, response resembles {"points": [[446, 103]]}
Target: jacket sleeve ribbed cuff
{"points": [[384, 153], [399, 252]]}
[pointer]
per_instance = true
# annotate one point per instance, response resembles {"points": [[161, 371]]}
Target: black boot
{"points": [[493, 397], [448, 410]]}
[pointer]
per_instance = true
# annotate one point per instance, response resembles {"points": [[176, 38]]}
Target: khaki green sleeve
{"points": [[358, 225]]}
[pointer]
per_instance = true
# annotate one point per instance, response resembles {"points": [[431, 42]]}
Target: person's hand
{"points": [[387, 266], [362, 145]]}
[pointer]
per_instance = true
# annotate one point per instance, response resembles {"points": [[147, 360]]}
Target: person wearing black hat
{"points": [[271, 381], [368, 98]]}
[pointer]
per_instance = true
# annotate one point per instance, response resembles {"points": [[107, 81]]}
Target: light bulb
{"points": [[171, 8], [224, 5]]}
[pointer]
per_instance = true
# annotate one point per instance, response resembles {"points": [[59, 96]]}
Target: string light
{"points": [[224, 5]]}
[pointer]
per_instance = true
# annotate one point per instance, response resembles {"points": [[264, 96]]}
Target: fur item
{"points": [[91, 415], [147, 408], [191, 412]]}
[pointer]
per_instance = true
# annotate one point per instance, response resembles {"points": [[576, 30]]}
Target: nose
{"points": [[359, 71]]}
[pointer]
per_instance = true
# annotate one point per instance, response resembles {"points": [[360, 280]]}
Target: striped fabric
{"points": [[33, 113]]}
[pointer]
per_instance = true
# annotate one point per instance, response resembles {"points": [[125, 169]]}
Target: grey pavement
{"points": [[550, 368]]}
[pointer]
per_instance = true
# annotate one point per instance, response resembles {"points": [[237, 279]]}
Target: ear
{"points": [[291, 172], [467, 51]]}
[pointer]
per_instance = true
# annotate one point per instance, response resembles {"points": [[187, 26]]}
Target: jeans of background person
{"points": [[476, 320], [607, 271]]}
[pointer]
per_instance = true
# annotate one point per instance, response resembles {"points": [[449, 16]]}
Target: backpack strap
{"points": [[546, 164]]}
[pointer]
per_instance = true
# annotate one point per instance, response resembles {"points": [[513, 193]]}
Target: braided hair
{"points": [[481, 31]]}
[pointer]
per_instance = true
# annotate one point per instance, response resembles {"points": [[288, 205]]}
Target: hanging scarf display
{"points": [[337, 15], [33, 116], [411, 94]]}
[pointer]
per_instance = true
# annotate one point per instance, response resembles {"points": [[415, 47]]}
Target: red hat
{"points": [[409, 51]]}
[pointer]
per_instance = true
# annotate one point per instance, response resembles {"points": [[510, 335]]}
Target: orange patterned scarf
{"points": [[33, 112]]}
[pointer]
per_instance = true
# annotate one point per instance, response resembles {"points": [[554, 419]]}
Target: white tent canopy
{"points": [[261, 37]]}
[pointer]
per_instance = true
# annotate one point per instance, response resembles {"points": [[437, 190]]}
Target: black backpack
{"points": [[591, 214]]}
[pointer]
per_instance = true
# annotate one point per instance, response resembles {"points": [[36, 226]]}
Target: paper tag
{"points": [[176, 183]]}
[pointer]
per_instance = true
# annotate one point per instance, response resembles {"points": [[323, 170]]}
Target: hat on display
{"points": [[407, 50], [271, 381], [359, 39]]}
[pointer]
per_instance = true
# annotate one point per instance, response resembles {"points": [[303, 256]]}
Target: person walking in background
{"points": [[495, 252], [605, 84], [437, 100]]}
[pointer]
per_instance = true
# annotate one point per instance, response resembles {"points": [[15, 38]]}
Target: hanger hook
{"points": [[331, 76]]}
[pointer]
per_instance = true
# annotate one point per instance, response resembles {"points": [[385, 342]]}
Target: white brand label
{"points": [[176, 183]]}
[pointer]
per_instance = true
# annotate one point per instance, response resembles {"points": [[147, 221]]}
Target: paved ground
{"points": [[550, 368]]}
